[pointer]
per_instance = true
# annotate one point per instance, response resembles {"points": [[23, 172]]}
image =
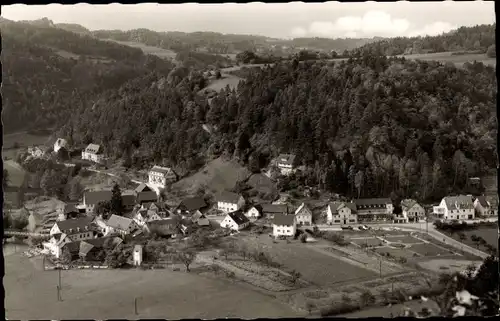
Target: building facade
{"points": [[342, 213], [161, 177], [303, 215], [93, 153], [459, 207], [284, 225], [229, 202]]}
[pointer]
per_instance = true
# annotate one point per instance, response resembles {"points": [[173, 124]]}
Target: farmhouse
{"points": [[458, 207], [200, 219], [143, 216], [161, 176], [93, 152], [284, 225], [342, 213], [190, 205], [303, 215], [60, 143], [374, 209], [486, 206], [68, 211], [128, 201], [229, 202], [285, 163], [235, 221], [91, 250], [91, 198], [68, 231], [254, 212], [120, 225], [144, 193], [411, 210], [270, 210]]}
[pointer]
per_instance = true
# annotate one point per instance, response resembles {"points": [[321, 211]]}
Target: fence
{"points": [[76, 267]]}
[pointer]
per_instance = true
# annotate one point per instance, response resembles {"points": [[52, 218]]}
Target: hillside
{"points": [[464, 39], [48, 72]]}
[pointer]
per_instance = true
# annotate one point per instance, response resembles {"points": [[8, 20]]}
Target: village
{"points": [[115, 228]]}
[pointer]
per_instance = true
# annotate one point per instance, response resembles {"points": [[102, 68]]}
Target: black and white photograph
{"points": [[249, 160]]}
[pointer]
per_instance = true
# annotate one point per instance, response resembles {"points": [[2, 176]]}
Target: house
{"points": [[254, 212], [412, 211], [91, 250], [190, 205], [235, 221], [229, 202], [60, 143], [68, 231], [120, 225], [91, 198], [93, 152], [144, 193], [374, 209], [342, 213], [137, 256], [303, 215], [165, 228], [68, 211], [128, 201], [284, 225], [161, 176], [486, 206], [200, 219], [36, 151], [269, 210], [285, 163], [159, 208], [459, 207]]}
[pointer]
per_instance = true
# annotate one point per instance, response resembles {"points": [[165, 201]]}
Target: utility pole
{"points": [[59, 270], [380, 268], [135, 306]]}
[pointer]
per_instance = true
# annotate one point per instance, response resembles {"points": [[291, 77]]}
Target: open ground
{"points": [[150, 50]]}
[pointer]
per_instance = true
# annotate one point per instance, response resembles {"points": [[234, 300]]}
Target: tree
{"points": [[5, 178], [75, 189], [358, 181], [116, 206], [19, 222], [218, 74], [366, 298], [491, 52], [186, 257], [118, 257], [303, 238], [462, 236], [66, 256], [103, 208], [295, 276], [7, 221]]}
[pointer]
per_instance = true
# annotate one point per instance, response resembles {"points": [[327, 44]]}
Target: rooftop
{"points": [[239, 217], [283, 219], [228, 197], [119, 222]]}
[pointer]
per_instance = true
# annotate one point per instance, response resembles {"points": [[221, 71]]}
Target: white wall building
{"points": [[160, 177], [254, 212], [229, 202], [285, 163], [343, 213], [284, 225], [459, 207], [93, 152], [486, 206], [235, 221], [60, 143], [412, 210], [303, 215]]}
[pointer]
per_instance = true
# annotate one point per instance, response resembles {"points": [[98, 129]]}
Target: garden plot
{"points": [[367, 241], [396, 252], [428, 249], [405, 239]]}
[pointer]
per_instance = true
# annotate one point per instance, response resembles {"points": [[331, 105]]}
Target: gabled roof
{"points": [[119, 222], [164, 227], [146, 196], [459, 202], [258, 207], [407, 204], [283, 219], [69, 208], [336, 206], [61, 142], [228, 197], [492, 200], [74, 224], [196, 216], [128, 199], [142, 188], [286, 159], [162, 170], [93, 149], [95, 197], [192, 204], [238, 217], [274, 208], [372, 202], [482, 200], [303, 210]]}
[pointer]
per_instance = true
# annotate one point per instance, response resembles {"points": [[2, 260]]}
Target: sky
{"points": [[287, 20]]}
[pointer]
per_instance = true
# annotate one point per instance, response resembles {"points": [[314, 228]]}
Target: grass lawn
{"points": [[23, 140], [403, 239], [16, 173], [107, 294], [160, 52], [458, 60], [447, 265], [489, 234], [370, 241], [221, 83], [395, 252], [314, 266], [428, 249]]}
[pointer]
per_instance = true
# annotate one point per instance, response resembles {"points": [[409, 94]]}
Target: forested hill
{"points": [[478, 39], [364, 127], [48, 73]]}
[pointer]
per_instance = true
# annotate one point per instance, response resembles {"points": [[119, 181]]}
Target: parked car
{"points": [[347, 227]]}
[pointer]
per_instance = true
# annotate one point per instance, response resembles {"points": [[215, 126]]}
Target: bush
{"points": [[303, 238], [338, 308], [366, 298]]}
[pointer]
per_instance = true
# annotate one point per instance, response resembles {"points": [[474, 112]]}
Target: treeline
{"points": [[370, 127], [41, 87], [480, 38], [200, 60]]}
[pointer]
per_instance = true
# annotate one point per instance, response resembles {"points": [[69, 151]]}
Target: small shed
{"points": [[137, 255]]}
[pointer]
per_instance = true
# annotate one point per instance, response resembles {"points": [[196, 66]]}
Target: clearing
{"points": [[218, 175], [14, 142], [110, 294], [218, 84], [458, 60], [150, 50]]}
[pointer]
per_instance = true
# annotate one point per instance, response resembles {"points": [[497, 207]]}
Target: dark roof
{"points": [[128, 199], [372, 202], [482, 201], [239, 217], [192, 204], [75, 247], [335, 206], [163, 170], [75, 223], [119, 222], [303, 209], [142, 188], [228, 197], [197, 216], [407, 204], [164, 227], [147, 197], [95, 197], [93, 148], [286, 159], [70, 208], [274, 208], [459, 202], [283, 219]]}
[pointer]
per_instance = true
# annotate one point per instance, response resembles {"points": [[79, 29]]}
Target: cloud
{"points": [[299, 32], [372, 23], [433, 29]]}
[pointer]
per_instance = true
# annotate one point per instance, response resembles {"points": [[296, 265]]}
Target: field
{"points": [[429, 250], [218, 175], [218, 84], [23, 140], [458, 60], [403, 239], [160, 52], [369, 241], [397, 253], [489, 234], [447, 265], [108, 294]]}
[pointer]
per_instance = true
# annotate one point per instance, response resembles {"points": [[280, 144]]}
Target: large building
{"points": [[285, 163], [343, 213], [412, 210], [374, 209], [229, 202], [160, 177], [284, 225], [93, 152], [459, 207], [303, 215]]}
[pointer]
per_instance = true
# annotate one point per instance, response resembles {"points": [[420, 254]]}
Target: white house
{"points": [[120, 225], [412, 210], [229, 202], [254, 212], [143, 216], [68, 231], [303, 215], [93, 152], [459, 207], [342, 213], [160, 177], [60, 143], [374, 209], [235, 221], [486, 206], [285, 163], [284, 225], [91, 198], [137, 256]]}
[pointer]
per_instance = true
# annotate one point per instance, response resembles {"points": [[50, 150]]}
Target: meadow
{"points": [[150, 50]]}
